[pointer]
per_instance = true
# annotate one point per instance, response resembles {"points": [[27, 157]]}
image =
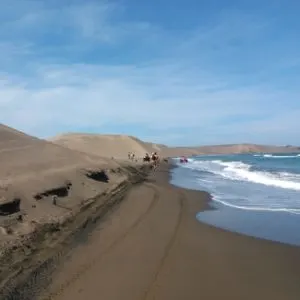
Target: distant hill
{"points": [[118, 146], [229, 149]]}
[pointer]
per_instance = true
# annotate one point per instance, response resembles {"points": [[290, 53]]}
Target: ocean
{"points": [[252, 194]]}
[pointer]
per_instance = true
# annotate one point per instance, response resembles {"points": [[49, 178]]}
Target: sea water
{"points": [[253, 194]]}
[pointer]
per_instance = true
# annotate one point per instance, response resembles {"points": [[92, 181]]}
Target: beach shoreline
{"points": [[266, 210], [25, 256], [153, 234]]}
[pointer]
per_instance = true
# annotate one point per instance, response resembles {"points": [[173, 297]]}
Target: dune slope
{"points": [[35, 172], [116, 146]]}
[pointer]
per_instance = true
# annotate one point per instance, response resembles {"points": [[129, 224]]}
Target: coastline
{"points": [[207, 205], [207, 197], [153, 235], [260, 221]]}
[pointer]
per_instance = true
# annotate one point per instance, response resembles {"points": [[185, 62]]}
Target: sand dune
{"points": [[32, 163], [33, 172], [47, 188], [119, 145], [116, 146], [23, 154]]}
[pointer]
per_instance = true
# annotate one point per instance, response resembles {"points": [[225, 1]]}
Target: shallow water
{"points": [[253, 195]]}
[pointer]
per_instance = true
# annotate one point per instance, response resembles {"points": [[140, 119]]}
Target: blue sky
{"points": [[178, 72]]}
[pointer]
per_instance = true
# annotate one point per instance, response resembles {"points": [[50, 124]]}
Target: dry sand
{"points": [[33, 171], [44, 188], [150, 246], [116, 146]]}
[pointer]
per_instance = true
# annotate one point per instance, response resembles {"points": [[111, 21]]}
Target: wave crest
{"points": [[277, 156], [237, 170]]}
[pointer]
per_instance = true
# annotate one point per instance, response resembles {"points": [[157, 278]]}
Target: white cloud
{"points": [[176, 92], [64, 24], [79, 96]]}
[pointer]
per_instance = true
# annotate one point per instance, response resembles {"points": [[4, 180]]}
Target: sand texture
{"points": [[43, 188], [150, 246], [76, 223]]}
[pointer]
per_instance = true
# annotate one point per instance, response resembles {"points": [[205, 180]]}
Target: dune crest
{"points": [[118, 146]]}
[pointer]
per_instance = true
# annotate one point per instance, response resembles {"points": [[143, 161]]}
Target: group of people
{"points": [[154, 158], [131, 156]]}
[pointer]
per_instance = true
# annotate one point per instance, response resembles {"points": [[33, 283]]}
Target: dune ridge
{"points": [[119, 145], [228, 149], [116, 146]]}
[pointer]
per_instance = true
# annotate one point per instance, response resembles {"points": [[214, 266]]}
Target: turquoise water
{"points": [[254, 194]]}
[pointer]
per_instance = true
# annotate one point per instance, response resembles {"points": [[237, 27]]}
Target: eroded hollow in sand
{"points": [[61, 192], [10, 207], [100, 176]]}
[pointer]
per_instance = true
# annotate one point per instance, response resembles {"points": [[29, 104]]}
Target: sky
{"points": [[176, 72]]}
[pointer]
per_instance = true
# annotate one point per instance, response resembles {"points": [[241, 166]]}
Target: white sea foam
{"points": [[283, 156], [236, 184], [263, 207], [276, 156], [237, 170]]}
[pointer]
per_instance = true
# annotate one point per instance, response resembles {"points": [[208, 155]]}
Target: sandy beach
{"points": [[150, 246], [120, 232]]}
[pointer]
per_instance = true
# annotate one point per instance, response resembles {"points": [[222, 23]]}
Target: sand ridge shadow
{"points": [[61, 192], [100, 176], [10, 207]]}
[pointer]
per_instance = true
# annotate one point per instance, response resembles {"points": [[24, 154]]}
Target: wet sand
{"points": [[152, 247]]}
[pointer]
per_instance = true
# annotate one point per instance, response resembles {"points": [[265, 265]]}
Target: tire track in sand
{"points": [[85, 267], [168, 248]]}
